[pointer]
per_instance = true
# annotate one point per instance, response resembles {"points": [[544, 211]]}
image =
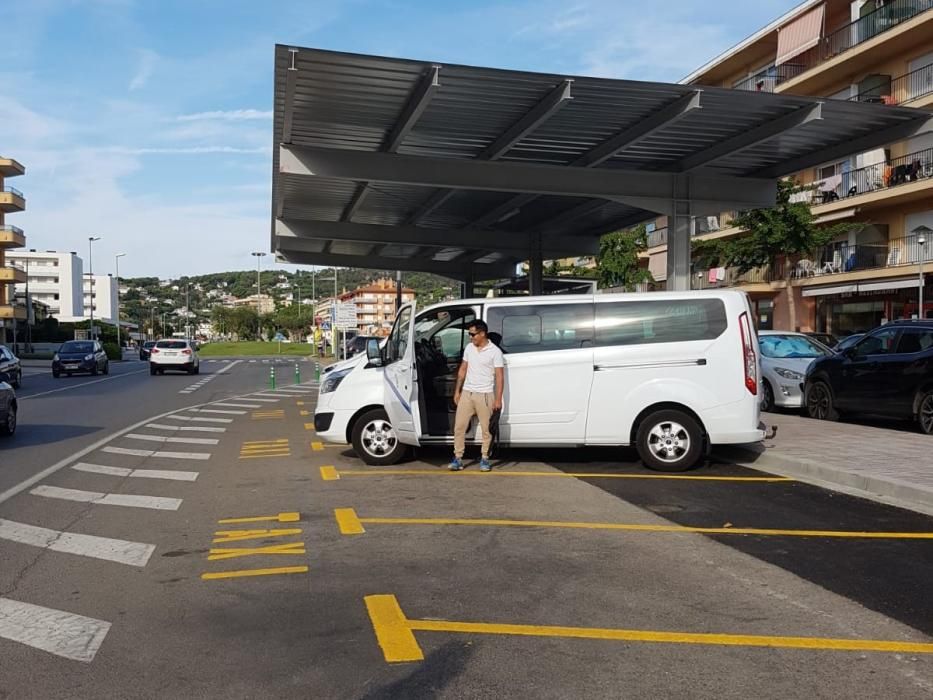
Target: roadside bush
{"points": [[113, 352]]}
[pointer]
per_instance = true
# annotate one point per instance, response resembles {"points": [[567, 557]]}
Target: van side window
{"points": [[542, 326], [647, 322], [398, 339]]}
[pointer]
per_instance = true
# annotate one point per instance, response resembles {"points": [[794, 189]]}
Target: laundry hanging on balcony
{"points": [[801, 34]]}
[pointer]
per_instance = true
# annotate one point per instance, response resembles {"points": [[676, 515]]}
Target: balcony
{"points": [[12, 275], [869, 41], [842, 258], [11, 237], [11, 168], [768, 79], [11, 199], [730, 277], [10, 312], [903, 90]]}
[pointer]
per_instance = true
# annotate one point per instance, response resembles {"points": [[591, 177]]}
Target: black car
{"points": [[80, 356], [8, 406], [888, 372], [145, 350], [10, 365], [848, 342]]}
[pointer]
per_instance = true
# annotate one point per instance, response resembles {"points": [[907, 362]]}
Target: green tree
{"points": [[788, 229], [617, 263], [243, 322]]}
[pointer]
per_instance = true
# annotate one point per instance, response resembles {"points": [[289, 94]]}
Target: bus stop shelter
{"points": [[398, 164]]}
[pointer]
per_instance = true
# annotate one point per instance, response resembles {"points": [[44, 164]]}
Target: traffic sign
{"points": [[346, 315]]}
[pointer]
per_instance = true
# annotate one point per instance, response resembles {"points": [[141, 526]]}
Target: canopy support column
{"points": [[536, 267], [466, 289], [680, 230]]}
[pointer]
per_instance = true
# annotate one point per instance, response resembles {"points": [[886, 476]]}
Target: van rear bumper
{"points": [[738, 438]]}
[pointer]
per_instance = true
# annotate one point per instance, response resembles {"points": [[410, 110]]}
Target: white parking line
{"points": [[119, 551], [277, 396], [215, 410], [256, 398], [170, 474], [163, 438], [108, 499], [61, 633], [78, 386], [187, 428], [153, 453], [229, 366], [203, 420], [238, 405]]}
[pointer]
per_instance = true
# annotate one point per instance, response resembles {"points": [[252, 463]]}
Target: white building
{"points": [[54, 280], [102, 289]]}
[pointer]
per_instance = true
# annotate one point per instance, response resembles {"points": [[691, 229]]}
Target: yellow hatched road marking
{"points": [[266, 454], [395, 635], [235, 552], [265, 442], [630, 527], [317, 446], [240, 535], [309, 426], [577, 475], [347, 521], [255, 572], [330, 473], [299, 403], [287, 517], [304, 413]]}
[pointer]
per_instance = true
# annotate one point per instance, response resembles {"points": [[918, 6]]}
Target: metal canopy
{"points": [[390, 163]]}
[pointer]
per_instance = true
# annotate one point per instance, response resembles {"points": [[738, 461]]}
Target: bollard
{"points": [[317, 372], [272, 377], [297, 374]]}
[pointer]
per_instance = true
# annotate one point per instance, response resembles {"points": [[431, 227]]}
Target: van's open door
{"points": [[401, 382]]}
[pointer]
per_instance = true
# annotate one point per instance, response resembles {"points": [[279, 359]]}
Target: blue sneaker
{"points": [[455, 465], [484, 465]]}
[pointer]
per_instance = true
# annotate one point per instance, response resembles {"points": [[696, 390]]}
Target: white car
{"points": [[171, 353], [785, 357]]}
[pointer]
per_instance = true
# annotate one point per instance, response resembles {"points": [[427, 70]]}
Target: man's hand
{"points": [[497, 405], [456, 398]]}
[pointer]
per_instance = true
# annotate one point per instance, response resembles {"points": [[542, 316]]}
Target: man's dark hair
{"points": [[480, 326]]}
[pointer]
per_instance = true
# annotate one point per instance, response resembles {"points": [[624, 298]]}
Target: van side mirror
{"points": [[373, 352]]}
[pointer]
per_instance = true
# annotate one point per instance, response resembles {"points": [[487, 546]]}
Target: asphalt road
{"points": [[252, 561]]}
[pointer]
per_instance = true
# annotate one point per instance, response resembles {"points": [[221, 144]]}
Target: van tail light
{"points": [[749, 359], [154, 351], [186, 351]]}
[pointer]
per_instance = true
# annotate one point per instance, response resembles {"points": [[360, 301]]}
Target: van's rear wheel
{"points": [[374, 439], [669, 441]]}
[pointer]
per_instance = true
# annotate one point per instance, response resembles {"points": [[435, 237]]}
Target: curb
{"points": [[887, 490]]}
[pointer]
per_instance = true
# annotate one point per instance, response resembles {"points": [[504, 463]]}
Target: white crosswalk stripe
{"points": [[217, 410], [263, 400], [156, 453], [119, 551], [199, 418], [187, 428], [163, 438], [237, 405], [57, 632], [170, 474], [108, 499]]}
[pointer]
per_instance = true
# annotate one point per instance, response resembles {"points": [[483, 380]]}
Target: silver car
{"points": [[785, 357]]}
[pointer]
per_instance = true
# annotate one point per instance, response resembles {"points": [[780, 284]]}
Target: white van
{"points": [[670, 373]]}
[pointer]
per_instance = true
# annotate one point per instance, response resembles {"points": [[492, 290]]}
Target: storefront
{"points": [[859, 307]]}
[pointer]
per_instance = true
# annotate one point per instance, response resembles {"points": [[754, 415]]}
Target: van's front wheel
{"points": [[374, 439], [669, 441]]}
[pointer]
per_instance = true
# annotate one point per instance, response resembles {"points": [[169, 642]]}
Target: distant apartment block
{"points": [[101, 291], [54, 279], [11, 237]]}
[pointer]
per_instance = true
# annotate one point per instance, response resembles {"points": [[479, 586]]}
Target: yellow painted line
{"points": [[254, 448], [329, 473], [489, 522], [395, 635], [309, 426], [266, 442], [347, 521], [317, 446], [304, 413], [255, 572], [270, 454], [240, 535], [235, 552], [287, 517], [577, 475], [299, 403]]}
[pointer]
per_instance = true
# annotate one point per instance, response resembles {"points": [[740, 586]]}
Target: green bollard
{"points": [[272, 377], [317, 372], [297, 374]]}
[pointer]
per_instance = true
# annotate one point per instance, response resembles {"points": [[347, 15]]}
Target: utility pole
{"points": [[90, 262], [259, 256], [30, 316], [116, 259], [188, 311]]}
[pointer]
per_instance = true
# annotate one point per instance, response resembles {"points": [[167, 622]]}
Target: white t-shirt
{"points": [[481, 367]]}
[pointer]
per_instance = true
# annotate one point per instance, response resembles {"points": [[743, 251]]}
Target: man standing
{"points": [[480, 383]]}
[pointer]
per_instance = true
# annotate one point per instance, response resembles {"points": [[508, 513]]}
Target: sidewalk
{"points": [[889, 466]]}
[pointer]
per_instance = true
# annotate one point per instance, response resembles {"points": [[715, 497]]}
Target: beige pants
{"points": [[472, 404]]}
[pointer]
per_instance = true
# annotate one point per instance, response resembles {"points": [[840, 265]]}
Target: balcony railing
{"points": [[871, 25], [905, 88], [880, 176], [13, 191], [7, 228], [841, 257], [657, 237], [770, 78], [729, 277]]}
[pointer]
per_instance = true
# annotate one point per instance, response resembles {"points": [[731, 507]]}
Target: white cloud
{"points": [[231, 115], [147, 64]]}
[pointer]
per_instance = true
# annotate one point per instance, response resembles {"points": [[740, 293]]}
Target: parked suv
{"points": [[889, 372], [172, 353]]}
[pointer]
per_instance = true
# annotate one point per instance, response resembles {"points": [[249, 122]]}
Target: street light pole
{"points": [[921, 232], [259, 256], [117, 261], [90, 262], [188, 310]]}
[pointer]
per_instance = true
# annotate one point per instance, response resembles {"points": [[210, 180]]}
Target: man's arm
{"points": [[500, 387], [461, 377]]}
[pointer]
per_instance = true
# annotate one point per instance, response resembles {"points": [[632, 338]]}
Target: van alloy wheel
{"points": [[377, 438], [669, 441]]}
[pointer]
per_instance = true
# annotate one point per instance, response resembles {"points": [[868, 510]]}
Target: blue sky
{"points": [[148, 122]]}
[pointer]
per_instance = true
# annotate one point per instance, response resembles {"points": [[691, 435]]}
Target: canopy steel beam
{"points": [[518, 243], [565, 181], [418, 102], [843, 150], [532, 119], [291, 77], [626, 138], [760, 134]]}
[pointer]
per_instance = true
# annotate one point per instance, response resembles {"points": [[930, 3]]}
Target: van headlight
{"points": [[788, 373], [333, 381]]}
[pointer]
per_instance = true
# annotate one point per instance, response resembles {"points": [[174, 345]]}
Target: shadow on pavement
{"points": [[32, 434], [430, 677]]}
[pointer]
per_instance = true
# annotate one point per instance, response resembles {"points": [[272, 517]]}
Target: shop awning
{"points": [[882, 285], [834, 289]]}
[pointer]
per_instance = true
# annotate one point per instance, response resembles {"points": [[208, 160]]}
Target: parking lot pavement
{"points": [[878, 463], [268, 564]]}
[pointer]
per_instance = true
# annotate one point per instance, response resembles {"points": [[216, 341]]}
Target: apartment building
{"points": [[54, 279], [101, 292], [874, 51], [376, 304], [11, 237], [263, 303]]}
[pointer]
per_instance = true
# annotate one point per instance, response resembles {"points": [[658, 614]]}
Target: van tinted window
{"points": [[542, 326], [661, 321]]}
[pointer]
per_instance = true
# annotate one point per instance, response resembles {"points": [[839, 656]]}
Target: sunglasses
{"points": [[473, 335]]}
